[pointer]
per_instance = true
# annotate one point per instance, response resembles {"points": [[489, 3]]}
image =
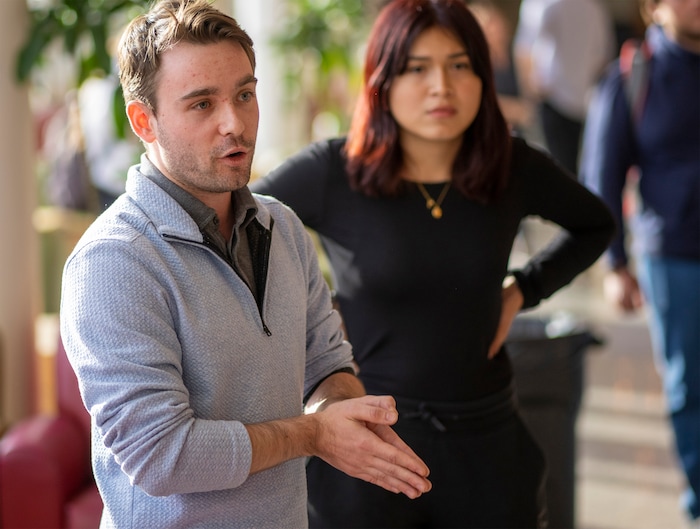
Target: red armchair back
{"points": [[45, 474]]}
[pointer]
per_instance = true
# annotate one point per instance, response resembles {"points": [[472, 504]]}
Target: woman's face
{"points": [[438, 95]]}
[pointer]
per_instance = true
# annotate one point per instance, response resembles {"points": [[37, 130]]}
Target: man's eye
{"points": [[202, 105], [248, 96]]}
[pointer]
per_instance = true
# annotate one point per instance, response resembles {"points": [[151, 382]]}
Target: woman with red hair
{"points": [[417, 210]]}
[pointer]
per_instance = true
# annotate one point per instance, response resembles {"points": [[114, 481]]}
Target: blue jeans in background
{"points": [[672, 291]]}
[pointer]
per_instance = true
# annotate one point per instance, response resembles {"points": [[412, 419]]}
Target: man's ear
{"points": [[647, 9], [140, 116]]}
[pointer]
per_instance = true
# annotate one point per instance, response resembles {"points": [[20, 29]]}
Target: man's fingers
{"points": [[389, 436], [380, 413], [373, 409], [361, 443], [395, 478], [394, 458]]}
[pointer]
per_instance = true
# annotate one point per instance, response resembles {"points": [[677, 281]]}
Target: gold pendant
{"points": [[433, 204]]}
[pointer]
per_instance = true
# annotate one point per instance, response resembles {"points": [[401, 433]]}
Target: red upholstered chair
{"points": [[45, 475]]}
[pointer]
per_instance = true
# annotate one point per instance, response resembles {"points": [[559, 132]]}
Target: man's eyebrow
{"points": [[248, 79], [200, 92], [204, 92]]}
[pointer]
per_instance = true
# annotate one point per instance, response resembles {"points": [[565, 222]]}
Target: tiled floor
{"points": [[627, 477]]}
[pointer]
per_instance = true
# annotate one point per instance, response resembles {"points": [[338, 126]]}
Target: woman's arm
{"points": [[587, 226]]}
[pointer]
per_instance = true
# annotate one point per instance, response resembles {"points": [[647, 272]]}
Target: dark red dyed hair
{"points": [[374, 154]]}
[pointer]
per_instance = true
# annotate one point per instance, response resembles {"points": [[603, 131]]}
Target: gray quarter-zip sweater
{"points": [[174, 356]]}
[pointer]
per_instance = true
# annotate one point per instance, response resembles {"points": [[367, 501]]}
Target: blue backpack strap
{"points": [[634, 66]]}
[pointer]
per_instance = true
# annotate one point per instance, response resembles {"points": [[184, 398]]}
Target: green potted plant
{"points": [[83, 28], [319, 43], [67, 42]]}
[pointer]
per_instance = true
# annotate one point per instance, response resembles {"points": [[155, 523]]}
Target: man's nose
{"points": [[230, 121]]}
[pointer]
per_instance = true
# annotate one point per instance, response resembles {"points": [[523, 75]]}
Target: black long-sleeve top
{"points": [[421, 297]]}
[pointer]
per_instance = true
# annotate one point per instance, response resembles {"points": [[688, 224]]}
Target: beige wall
{"points": [[19, 277]]}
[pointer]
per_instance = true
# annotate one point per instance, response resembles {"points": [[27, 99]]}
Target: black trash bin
{"points": [[548, 365]]}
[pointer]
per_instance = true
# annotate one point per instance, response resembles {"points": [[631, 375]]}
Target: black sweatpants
{"points": [[483, 477]]}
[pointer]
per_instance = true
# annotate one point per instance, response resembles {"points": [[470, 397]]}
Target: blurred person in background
{"points": [[653, 132], [417, 209], [498, 30], [561, 49]]}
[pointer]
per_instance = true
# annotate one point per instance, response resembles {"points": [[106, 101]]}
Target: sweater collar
{"points": [[174, 211]]}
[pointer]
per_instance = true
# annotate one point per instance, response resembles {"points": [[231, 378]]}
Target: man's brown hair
{"points": [[166, 24]]}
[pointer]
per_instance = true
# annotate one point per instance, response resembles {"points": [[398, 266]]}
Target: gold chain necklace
{"points": [[434, 205]]}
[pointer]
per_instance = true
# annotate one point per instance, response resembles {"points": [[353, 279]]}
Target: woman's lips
{"points": [[442, 112]]}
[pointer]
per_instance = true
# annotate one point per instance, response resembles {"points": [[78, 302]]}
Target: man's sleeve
{"points": [[608, 153]]}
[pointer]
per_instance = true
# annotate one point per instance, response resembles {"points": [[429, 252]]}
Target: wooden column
{"points": [[19, 261]]}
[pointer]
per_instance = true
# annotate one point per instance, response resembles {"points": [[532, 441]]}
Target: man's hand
{"points": [[621, 288], [350, 431], [354, 436]]}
